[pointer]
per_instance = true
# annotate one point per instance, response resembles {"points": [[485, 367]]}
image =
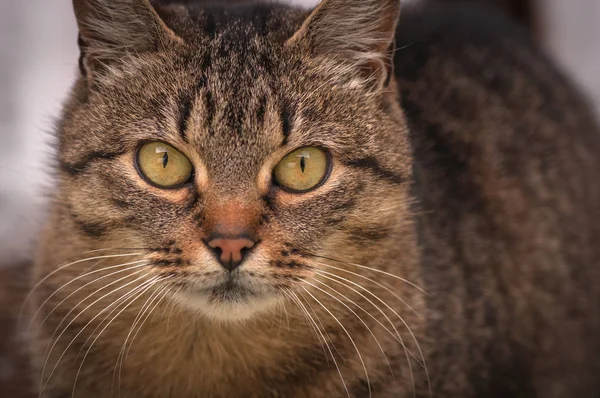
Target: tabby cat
{"points": [[254, 200]]}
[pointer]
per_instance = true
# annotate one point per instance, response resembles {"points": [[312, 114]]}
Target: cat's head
{"points": [[242, 154]]}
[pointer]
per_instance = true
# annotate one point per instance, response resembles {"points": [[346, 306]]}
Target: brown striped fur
{"points": [[472, 174]]}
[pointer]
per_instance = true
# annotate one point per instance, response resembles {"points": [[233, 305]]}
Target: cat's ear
{"points": [[111, 29], [359, 33]]}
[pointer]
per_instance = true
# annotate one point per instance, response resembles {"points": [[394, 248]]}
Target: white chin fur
{"points": [[227, 311]]}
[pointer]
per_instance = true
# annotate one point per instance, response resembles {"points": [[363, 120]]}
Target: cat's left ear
{"points": [[111, 29], [357, 33]]}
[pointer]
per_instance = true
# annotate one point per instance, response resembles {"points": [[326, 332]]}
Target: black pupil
{"points": [[303, 163], [165, 160]]}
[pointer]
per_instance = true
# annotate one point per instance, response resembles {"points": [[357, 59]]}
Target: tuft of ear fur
{"points": [[359, 33], [112, 29]]}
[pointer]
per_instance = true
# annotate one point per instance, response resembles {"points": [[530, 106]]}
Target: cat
{"points": [[256, 200]]}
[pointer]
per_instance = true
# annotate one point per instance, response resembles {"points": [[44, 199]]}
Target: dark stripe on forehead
{"points": [[209, 105], [206, 62], [80, 167], [262, 108], [371, 164], [185, 109], [187, 100], [287, 119], [210, 26]]}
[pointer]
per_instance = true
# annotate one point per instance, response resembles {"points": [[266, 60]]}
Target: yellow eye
{"points": [[303, 169], [163, 166]]}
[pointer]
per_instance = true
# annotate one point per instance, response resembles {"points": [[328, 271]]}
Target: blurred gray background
{"points": [[38, 62]]}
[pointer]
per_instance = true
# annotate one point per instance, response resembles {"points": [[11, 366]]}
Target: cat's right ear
{"points": [[109, 30], [359, 34]]}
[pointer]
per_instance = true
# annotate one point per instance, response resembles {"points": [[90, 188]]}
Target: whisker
{"points": [[165, 289], [136, 293], [74, 308], [386, 288], [399, 338], [38, 284], [117, 304], [312, 310], [142, 311], [372, 269], [280, 317], [287, 317], [82, 287], [135, 322], [355, 314], [422, 363], [301, 305], [78, 334], [173, 304], [309, 319], [347, 334], [325, 274]]}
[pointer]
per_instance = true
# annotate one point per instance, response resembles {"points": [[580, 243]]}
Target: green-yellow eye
{"points": [[163, 166], [303, 169]]}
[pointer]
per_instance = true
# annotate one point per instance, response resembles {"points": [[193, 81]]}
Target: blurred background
{"points": [[38, 62]]}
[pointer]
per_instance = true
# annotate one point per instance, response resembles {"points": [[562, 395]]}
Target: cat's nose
{"points": [[231, 250]]}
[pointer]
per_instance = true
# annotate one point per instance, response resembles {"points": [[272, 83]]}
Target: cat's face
{"points": [[183, 155]]}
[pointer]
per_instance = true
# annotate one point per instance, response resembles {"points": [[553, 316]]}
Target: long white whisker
{"points": [[347, 334], [116, 304], [137, 319], [122, 356], [38, 284], [165, 292], [355, 314], [135, 293], [148, 311], [359, 318], [74, 308], [78, 334], [287, 318], [309, 319], [399, 338], [311, 308], [423, 363], [387, 289], [83, 287], [374, 270], [302, 306], [173, 304]]}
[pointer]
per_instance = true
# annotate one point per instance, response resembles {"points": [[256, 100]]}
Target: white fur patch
{"points": [[228, 311]]}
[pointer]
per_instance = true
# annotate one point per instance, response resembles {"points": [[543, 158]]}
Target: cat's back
{"points": [[508, 178]]}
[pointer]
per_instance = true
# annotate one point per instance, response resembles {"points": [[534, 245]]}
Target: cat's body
{"points": [[506, 171], [482, 190]]}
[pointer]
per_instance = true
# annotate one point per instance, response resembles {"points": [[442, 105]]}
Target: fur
{"points": [[451, 252]]}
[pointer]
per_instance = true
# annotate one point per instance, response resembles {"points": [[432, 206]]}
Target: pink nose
{"points": [[231, 251]]}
